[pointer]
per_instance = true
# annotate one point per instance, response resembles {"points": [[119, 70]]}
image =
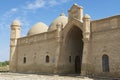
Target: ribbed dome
{"points": [[61, 19], [16, 22], [38, 28]]}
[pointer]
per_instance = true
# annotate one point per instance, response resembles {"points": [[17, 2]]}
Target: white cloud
{"points": [[52, 3], [56, 2], [64, 1], [10, 12], [35, 5], [6, 17], [44, 3], [15, 13], [14, 9]]}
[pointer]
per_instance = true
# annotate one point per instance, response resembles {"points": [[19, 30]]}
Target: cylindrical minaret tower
{"points": [[15, 34], [86, 26], [86, 39], [59, 40]]}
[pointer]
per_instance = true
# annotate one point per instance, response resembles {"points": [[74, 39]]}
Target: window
{"points": [[105, 63], [47, 59], [70, 59], [24, 60]]}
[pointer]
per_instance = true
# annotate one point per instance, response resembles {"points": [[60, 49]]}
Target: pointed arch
{"points": [[74, 47], [71, 24], [73, 31]]}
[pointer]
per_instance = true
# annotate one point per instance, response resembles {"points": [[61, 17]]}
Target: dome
{"points": [[16, 22], [61, 19], [38, 28]]}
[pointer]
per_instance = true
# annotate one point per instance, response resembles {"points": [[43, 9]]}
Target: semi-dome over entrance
{"points": [[38, 28], [61, 19]]}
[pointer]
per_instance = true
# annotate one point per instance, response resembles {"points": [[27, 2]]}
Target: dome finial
{"points": [[75, 4], [62, 13]]}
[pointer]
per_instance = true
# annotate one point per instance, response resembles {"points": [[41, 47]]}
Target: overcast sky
{"points": [[29, 12]]}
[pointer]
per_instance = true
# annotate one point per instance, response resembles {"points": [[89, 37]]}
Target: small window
{"points": [[105, 63], [70, 59], [24, 60], [47, 59]]}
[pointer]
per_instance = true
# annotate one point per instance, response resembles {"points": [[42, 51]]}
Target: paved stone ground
{"points": [[18, 76]]}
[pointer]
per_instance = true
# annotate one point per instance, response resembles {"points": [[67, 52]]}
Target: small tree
{"points": [[5, 63], [0, 64]]}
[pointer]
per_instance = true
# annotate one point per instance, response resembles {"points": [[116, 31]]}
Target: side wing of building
{"points": [[105, 46], [37, 53]]}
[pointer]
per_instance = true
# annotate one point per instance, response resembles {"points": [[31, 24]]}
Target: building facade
{"points": [[70, 45]]}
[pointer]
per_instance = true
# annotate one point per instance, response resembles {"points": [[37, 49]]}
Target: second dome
{"points": [[61, 19], [38, 28]]}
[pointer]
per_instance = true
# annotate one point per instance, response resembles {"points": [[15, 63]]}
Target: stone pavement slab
{"points": [[17, 76]]}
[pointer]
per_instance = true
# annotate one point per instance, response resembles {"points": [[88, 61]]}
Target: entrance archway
{"points": [[74, 45]]}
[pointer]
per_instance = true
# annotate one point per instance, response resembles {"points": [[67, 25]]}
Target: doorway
{"points": [[74, 45], [77, 65]]}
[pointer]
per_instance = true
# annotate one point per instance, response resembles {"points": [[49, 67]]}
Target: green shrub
{"points": [[5, 63]]}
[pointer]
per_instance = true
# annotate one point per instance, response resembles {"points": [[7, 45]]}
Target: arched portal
{"points": [[74, 47]]}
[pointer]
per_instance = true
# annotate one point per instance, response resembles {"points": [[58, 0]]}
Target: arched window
{"points": [[24, 60], [70, 59], [47, 59], [105, 63]]}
